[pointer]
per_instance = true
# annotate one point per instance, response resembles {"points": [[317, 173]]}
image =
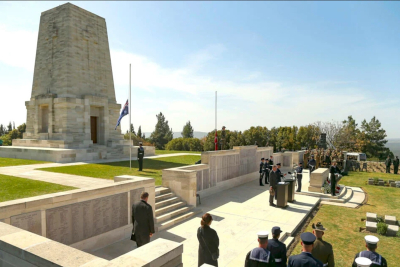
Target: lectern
{"points": [[291, 189], [282, 197]]}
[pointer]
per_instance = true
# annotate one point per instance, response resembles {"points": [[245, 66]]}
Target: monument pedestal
{"points": [[317, 179], [282, 197]]}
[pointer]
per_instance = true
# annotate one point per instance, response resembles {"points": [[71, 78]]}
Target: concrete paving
{"points": [[31, 172], [239, 213]]}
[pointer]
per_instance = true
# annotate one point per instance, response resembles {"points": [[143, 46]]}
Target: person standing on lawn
{"points": [[396, 165], [140, 154], [371, 243], [322, 250], [388, 162]]}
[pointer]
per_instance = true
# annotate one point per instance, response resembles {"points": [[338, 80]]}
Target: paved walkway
{"points": [[31, 172], [239, 213]]}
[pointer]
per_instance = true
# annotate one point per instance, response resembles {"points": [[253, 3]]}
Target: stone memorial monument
{"points": [[72, 112]]}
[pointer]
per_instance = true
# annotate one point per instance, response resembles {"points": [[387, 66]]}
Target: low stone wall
{"points": [[21, 248], [87, 219], [66, 155], [220, 170]]}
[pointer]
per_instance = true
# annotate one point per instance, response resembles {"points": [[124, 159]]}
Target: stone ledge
{"points": [[371, 226], [371, 217]]}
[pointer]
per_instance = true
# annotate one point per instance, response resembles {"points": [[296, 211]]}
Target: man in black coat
{"points": [[305, 259], [270, 162], [388, 162], [333, 170], [277, 248], [267, 169], [274, 179], [140, 155], [143, 221], [312, 163], [262, 171]]}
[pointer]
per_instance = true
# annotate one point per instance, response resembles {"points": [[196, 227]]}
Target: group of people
{"points": [[270, 252], [322, 157], [388, 163]]}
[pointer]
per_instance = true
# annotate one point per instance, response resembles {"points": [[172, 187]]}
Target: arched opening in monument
{"points": [[44, 118], [97, 125]]}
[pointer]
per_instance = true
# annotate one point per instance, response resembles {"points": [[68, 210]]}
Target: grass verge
{"points": [[5, 162], [151, 168], [14, 188], [343, 224]]}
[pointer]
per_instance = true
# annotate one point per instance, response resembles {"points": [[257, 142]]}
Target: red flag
{"points": [[216, 141]]}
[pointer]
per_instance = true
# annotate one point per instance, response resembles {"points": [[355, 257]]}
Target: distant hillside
{"points": [[178, 134], [394, 145]]}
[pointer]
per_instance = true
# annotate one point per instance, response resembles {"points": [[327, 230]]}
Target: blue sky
{"points": [[272, 63]]}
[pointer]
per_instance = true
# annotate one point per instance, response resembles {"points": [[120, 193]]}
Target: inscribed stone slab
{"points": [[206, 179], [199, 180], [135, 195], [31, 221], [79, 221]]}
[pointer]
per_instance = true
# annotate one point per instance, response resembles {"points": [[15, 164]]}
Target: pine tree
{"points": [[13, 125], [187, 131], [2, 130], [375, 137], [162, 134], [9, 127], [139, 132]]}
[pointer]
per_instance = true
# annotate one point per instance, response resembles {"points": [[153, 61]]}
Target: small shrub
{"points": [[376, 180], [379, 219], [398, 234], [382, 228]]}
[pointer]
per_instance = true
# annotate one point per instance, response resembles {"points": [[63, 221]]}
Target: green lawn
{"points": [[14, 188], [151, 168], [343, 224], [163, 152], [5, 162]]}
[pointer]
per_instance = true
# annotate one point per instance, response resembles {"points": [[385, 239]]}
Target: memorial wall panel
{"points": [[206, 179], [199, 181], [79, 221], [31, 221], [135, 195]]}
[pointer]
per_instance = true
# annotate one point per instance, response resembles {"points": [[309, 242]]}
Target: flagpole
{"points": [[216, 136], [130, 130]]}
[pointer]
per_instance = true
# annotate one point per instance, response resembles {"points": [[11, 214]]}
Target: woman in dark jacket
{"points": [[208, 242]]}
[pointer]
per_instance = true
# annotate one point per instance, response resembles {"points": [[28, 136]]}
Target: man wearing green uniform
{"points": [[322, 250], [223, 138], [396, 165], [388, 162], [140, 155]]}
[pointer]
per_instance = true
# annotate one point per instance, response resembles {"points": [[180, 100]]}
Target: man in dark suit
{"points": [[270, 162], [305, 259], [312, 164], [143, 221], [262, 171], [140, 155], [299, 173], [277, 248], [274, 179], [333, 170]]}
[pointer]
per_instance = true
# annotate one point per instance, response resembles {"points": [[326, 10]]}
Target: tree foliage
{"points": [[8, 136], [187, 131], [185, 144], [162, 134], [374, 137]]}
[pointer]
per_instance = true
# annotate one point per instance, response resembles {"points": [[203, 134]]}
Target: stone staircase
{"points": [[170, 209]]}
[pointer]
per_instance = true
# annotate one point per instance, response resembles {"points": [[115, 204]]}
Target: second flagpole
{"points": [[130, 130]]}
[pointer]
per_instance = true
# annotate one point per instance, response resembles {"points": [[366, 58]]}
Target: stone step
{"points": [[175, 213], [166, 202], [162, 190], [176, 220], [169, 208], [343, 199], [164, 196]]}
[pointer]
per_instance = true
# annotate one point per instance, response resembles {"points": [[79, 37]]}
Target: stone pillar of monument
{"points": [[73, 101]]}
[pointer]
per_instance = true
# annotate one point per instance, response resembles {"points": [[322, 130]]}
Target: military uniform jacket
{"points": [[142, 219], [388, 162], [323, 251], [304, 259], [140, 152], [266, 166], [333, 170], [312, 162], [270, 163], [259, 257], [262, 167], [377, 260], [278, 250], [396, 162]]}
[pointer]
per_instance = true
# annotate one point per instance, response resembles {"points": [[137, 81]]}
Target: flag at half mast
{"points": [[124, 112]]}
